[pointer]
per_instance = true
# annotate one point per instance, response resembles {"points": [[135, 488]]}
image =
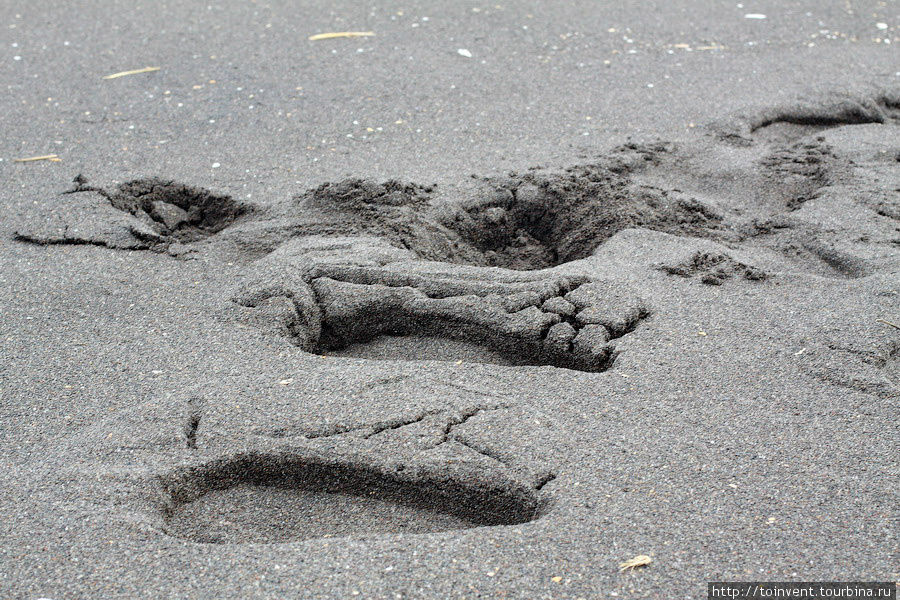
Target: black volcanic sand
{"points": [[369, 317]]}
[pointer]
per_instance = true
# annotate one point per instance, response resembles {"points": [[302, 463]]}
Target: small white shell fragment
{"points": [[754, 16], [464, 52]]}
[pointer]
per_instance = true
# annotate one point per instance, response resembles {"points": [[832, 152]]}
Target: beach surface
{"points": [[481, 305]]}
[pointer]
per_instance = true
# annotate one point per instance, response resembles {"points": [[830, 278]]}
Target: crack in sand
{"points": [[460, 418], [192, 424], [373, 429]]}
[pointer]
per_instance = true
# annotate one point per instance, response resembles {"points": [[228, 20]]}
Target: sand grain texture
{"points": [[366, 317]]}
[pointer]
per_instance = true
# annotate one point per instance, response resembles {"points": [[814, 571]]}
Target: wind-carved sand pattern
{"points": [[462, 459], [397, 271], [272, 498], [526, 221], [789, 122], [413, 454], [753, 182], [713, 268], [322, 294], [142, 214]]}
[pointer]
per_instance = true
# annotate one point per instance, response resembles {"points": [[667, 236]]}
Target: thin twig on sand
{"points": [[340, 34], [886, 322], [50, 157], [132, 72]]}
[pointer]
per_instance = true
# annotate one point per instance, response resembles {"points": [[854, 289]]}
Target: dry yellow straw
{"points": [[886, 322], [50, 157], [633, 563], [340, 34], [133, 72]]}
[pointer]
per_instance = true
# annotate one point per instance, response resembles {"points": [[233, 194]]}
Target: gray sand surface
{"points": [[480, 306]]}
